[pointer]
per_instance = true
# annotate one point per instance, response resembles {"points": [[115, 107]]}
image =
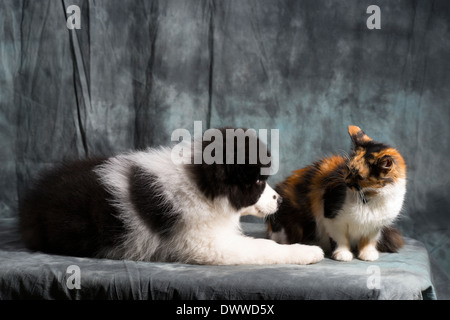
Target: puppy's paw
{"points": [[304, 254], [342, 254]]}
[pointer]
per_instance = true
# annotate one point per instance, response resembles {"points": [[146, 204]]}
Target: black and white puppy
{"points": [[146, 206]]}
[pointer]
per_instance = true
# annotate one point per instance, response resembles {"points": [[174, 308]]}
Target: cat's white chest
{"points": [[361, 218]]}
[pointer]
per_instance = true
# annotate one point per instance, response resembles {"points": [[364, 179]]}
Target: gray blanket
{"points": [[25, 275]]}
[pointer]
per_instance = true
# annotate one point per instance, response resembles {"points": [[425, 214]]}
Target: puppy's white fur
{"points": [[208, 231]]}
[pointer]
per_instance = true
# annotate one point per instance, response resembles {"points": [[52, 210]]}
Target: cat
{"points": [[345, 202]]}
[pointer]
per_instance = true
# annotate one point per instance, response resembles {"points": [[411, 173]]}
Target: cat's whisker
{"points": [[345, 155], [363, 197]]}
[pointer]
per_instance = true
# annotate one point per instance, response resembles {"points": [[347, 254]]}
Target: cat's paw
{"points": [[305, 254], [342, 254], [368, 254]]}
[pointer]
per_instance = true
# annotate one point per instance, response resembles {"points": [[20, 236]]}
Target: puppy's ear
{"points": [[358, 136]]}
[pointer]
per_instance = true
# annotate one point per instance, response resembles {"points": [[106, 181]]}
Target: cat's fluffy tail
{"points": [[391, 240]]}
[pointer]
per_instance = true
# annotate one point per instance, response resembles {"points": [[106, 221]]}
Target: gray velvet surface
{"points": [[28, 275], [137, 70]]}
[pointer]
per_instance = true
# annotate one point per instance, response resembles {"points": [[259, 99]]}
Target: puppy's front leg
{"points": [[246, 250]]}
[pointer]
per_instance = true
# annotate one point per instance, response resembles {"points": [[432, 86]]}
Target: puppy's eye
{"points": [[259, 181]]}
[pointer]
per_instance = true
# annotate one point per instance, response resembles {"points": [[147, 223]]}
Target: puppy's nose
{"points": [[278, 198]]}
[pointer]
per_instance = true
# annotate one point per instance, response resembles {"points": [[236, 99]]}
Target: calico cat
{"points": [[345, 203]]}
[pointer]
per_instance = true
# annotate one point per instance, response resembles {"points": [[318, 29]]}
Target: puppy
{"points": [[146, 206]]}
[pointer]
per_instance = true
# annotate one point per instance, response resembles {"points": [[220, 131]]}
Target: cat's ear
{"points": [[358, 136], [386, 163]]}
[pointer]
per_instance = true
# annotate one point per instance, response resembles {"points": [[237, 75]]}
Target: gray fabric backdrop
{"points": [[137, 70]]}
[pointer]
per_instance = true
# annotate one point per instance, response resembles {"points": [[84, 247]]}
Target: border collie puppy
{"points": [[145, 206]]}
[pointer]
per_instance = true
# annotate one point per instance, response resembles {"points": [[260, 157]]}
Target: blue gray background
{"points": [[137, 70]]}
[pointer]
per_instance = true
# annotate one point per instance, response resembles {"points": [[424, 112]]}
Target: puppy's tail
{"points": [[391, 240]]}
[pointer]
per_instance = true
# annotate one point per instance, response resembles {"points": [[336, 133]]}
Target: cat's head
{"points": [[372, 164]]}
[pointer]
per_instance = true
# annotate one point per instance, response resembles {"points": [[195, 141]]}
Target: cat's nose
{"points": [[353, 185], [353, 177], [351, 180]]}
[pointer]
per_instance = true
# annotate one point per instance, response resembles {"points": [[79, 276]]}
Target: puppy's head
{"points": [[267, 203], [230, 167]]}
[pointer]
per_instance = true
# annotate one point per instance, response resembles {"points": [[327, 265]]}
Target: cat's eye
{"points": [[360, 177]]}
